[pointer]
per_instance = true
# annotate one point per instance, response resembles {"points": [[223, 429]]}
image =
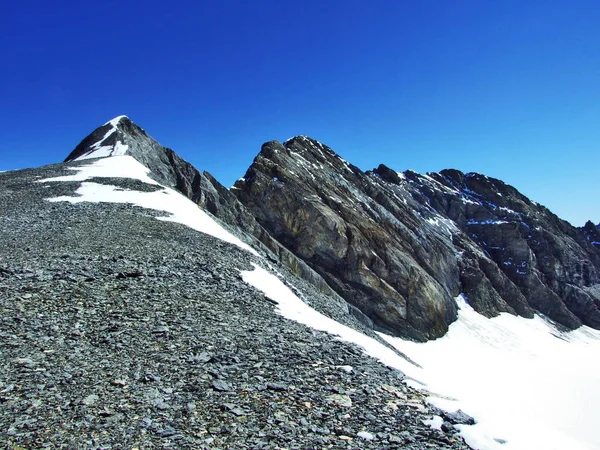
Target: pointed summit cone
{"points": [[120, 136], [107, 140]]}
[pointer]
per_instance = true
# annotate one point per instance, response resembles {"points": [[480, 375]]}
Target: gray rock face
{"points": [[399, 246], [553, 265], [377, 253]]}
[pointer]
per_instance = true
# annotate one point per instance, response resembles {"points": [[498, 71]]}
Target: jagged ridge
{"points": [[399, 246]]}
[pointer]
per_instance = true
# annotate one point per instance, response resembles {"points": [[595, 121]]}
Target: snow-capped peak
{"points": [[114, 122], [104, 141]]}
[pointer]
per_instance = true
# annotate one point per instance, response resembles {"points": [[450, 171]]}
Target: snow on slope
{"points": [[291, 307], [524, 381], [181, 209]]}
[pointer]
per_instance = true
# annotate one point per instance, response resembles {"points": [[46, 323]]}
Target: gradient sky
{"points": [[508, 88]]}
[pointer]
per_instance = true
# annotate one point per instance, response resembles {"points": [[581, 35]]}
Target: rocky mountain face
{"points": [[400, 246], [393, 249], [122, 136], [118, 330]]}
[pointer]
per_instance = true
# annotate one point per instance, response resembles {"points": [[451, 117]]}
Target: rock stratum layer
{"points": [[400, 246]]}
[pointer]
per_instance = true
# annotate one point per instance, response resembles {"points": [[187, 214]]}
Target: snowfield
{"points": [[525, 382]]}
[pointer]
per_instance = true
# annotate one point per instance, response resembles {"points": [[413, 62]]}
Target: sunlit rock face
{"points": [[400, 246]]}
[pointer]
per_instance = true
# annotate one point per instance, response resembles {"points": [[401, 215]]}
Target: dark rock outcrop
{"points": [[377, 253], [399, 246]]}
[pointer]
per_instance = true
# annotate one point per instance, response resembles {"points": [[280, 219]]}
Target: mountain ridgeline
{"points": [[391, 248]]}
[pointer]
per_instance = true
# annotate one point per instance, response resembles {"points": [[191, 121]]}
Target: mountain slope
{"points": [[146, 305], [401, 246], [120, 136], [120, 330]]}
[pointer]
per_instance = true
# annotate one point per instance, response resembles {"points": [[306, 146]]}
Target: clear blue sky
{"points": [[507, 88]]}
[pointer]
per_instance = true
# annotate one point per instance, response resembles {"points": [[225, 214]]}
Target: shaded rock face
{"points": [[399, 246], [554, 267]]}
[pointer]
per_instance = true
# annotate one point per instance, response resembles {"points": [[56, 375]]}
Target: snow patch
{"points": [[486, 222], [291, 307], [181, 209], [435, 422], [117, 167], [525, 382], [97, 150], [114, 122]]}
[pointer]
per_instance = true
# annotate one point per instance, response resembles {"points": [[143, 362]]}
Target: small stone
{"points": [[233, 409], [395, 439], [161, 330], [459, 418], [447, 427], [220, 385], [161, 405], [277, 386], [339, 400], [90, 400], [190, 407], [25, 362], [202, 357], [167, 432], [365, 435]]}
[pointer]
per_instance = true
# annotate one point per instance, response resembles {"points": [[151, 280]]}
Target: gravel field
{"points": [[121, 331]]}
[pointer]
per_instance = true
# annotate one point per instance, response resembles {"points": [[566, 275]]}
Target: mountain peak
{"points": [[114, 122], [107, 140]]}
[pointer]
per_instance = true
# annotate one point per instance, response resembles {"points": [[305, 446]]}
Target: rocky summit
{"points": [[400, 246], [132, 313]]}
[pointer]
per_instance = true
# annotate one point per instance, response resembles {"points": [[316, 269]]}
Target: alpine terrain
{"points": [[311, 305]]}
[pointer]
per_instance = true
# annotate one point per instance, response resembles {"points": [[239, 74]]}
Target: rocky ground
{"points": [[121, 331]]}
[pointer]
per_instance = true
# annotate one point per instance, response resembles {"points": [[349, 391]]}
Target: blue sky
{"points": [[510, 89]]}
